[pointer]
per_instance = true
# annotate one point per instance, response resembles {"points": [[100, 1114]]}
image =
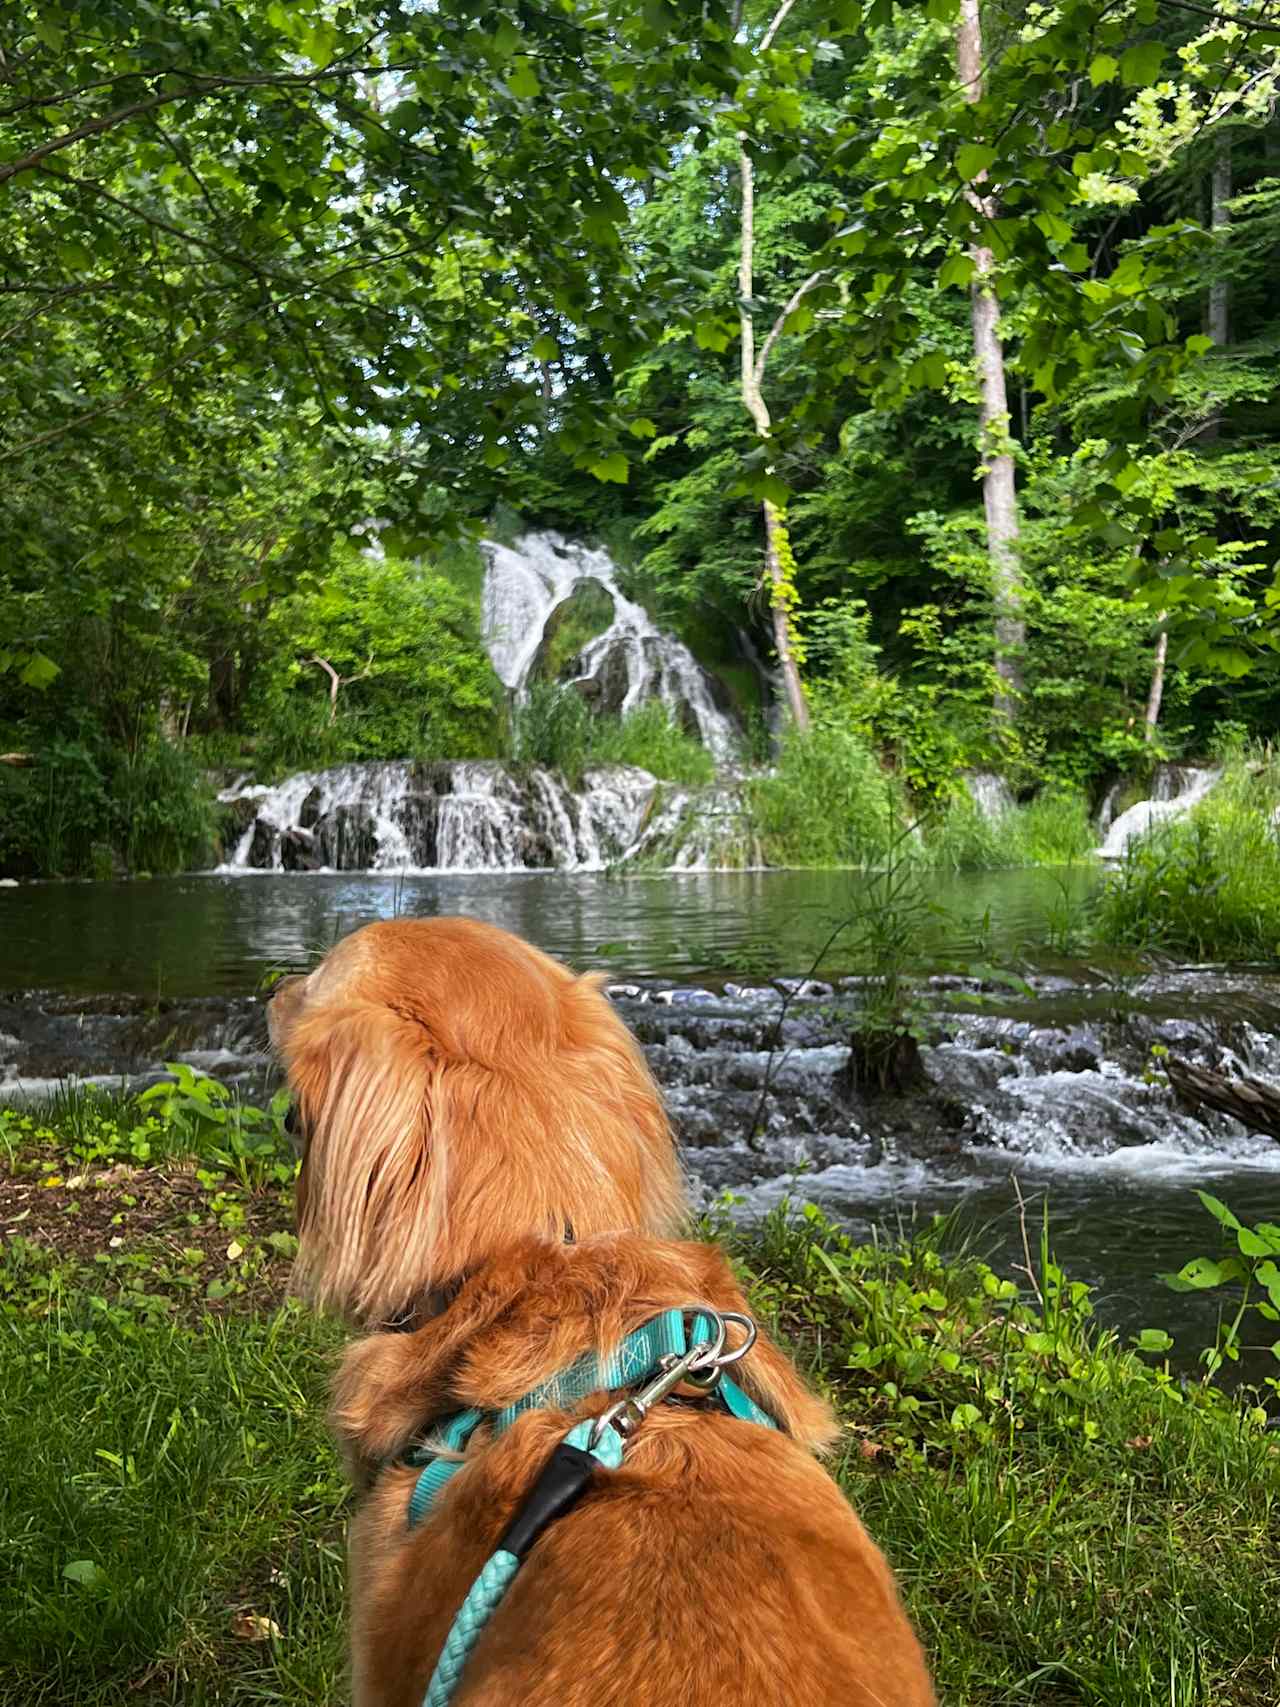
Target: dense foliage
{"points": [[271, 272]]}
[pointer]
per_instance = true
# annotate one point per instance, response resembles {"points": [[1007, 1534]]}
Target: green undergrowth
{"points": [[1205, 885], [557, 728], [1070, 1522]]}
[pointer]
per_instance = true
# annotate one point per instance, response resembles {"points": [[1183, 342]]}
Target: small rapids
{"points": [[756, 1076]]}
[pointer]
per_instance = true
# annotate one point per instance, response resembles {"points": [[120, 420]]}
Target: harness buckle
{"points": [[699, 1367]]}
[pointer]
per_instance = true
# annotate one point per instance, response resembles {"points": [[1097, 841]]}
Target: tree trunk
{"points": [[999, 489], [1156, 695], [1218, 317], [1219, 220], [753, 399]]}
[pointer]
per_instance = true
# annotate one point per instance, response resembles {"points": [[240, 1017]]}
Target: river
{"points": [[1054, 1085]]}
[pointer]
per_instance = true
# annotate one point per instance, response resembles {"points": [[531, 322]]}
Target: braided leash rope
{"points": [[486, 1592]]}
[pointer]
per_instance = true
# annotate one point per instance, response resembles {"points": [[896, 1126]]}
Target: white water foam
{"points": [[1177, 788]]}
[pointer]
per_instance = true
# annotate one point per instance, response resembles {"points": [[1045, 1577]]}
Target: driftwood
{"points": [[1252, 1102], [17, 758]]}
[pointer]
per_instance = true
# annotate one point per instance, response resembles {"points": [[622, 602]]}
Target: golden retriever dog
{"points": [[489, 1170]]}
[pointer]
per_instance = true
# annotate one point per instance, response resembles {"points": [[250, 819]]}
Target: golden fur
{"points": [[464, 1100]]}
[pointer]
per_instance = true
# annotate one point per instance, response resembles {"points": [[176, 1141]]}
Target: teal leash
{"points": [[487, 1591]]}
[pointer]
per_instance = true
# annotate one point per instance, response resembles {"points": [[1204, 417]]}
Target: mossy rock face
{"points": [[574, 624]]}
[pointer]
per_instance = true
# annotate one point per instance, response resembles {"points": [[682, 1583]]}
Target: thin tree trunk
{"points": [[758, 409], [1219, 220], [999, 489], [1156, 694]]}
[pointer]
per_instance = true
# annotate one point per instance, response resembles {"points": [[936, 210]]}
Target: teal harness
{"points": [[660, 1353]]}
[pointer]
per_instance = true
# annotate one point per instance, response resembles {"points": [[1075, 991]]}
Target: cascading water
{"points": [[990, 793], [1175, 790], [631, 662], [471, 815], [464, 815]]}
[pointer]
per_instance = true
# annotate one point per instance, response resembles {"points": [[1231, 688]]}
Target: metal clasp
{"points": [[699, 1367]]}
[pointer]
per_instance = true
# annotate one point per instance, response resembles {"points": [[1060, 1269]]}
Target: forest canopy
{"points": [[933, 347]]}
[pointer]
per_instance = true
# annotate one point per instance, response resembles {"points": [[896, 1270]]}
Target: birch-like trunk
{"points": [[758, 409], [999, 488], [1219, 220], [1155, 695], [1219, 328]]}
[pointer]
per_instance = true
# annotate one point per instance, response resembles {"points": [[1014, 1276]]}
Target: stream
{"points": [[1049, 1087]]}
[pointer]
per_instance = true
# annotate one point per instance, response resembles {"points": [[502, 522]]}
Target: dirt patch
{"points": [[154, 1227]]}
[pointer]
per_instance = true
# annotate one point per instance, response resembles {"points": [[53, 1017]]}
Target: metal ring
{"points": [[712, 1353], [748, 1327]]}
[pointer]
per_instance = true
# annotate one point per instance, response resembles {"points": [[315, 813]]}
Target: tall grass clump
{"points": [[827, 802], [83, 810], [1055, 828], [650, 737], [1052, 829], [1206, 885], [556, 728]]}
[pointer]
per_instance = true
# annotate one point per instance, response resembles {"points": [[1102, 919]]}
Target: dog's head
{"points": [[458, 1090]]}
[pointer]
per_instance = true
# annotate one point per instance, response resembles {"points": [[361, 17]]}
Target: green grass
{"points": [[827, 801], [1206, 885], [1071, 1525], [557, 728]]}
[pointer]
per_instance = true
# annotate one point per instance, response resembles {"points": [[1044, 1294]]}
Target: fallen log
{"points": [[1252, 1102]]}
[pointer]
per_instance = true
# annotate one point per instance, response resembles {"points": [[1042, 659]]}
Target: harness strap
{"points": [[640, 1353]]}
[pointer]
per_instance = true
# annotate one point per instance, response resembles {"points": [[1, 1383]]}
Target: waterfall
{"points": [[990, 793], [460, 815], [630, 662], [1175, 789]]}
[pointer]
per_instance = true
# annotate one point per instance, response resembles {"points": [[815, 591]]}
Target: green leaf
{"points": [[711, 335], [1102, 68], [1141, 64], [522, 79], [613, 467], [1253, 1244], [956, 270], [83, 1571], [545, 349], [505, 39], [1054, 227], [1153, 1339], [38, 671], [973, 158], [642, 428], [1197, 1275], [964, 1417]]}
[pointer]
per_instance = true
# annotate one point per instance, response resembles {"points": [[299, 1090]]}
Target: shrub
{"points": [[827, 801]]}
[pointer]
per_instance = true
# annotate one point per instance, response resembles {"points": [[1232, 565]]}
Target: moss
{"points": [[573, 625]]}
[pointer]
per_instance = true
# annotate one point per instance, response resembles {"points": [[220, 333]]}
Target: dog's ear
{"points": [[373, 1192]]}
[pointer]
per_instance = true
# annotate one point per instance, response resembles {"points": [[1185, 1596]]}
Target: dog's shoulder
{"points": [[527, 1316]]}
